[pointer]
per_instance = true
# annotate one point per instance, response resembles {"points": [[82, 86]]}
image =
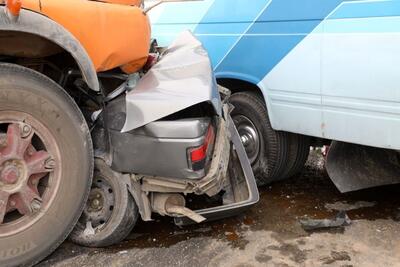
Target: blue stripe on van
{"points": [[221, 28], [274, 47], [359, 9], [363, 25], [257, 55], [233, 11], [289, 10], [217, 46], [224, 28], [283, 27], [189, 12]]}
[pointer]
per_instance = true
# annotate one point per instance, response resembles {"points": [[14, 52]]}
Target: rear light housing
{"points": [[152, 59], [198, 157]]}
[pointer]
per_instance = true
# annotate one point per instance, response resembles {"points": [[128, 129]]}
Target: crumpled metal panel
{"points": [[182, 78]]}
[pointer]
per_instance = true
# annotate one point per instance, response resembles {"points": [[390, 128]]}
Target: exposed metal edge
{"points": [[235, 208], [184, 63]]}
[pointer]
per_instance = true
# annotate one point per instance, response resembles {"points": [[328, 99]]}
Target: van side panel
{"points": [[361, 77]]}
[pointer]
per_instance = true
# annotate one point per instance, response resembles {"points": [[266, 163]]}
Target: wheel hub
{"points": [[249, 136], [21, 168], [96, 200], [99, 207], [10, 173]]}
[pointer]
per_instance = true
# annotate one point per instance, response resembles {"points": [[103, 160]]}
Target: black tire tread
{"points": [[299, 148], [269, 168], [293, 150], [130, 213], [302, 155], [8, 68]]}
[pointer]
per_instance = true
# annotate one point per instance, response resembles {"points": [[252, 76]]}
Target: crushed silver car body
{"points": [[184, 70], [174, 108]]}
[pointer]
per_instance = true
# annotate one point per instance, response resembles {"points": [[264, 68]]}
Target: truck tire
{"points": [[110, 213], [46, 164], [299, 148], [266, 148]]}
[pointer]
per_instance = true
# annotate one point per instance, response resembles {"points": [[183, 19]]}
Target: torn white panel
{"points": [[182, 78]]}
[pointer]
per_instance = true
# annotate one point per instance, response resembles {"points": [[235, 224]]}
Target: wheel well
{"points": [[50, 59], [22, 44], [35, 52], [237, 86]]}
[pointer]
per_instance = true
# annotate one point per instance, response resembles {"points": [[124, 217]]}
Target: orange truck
{"points": [[99, 129]]}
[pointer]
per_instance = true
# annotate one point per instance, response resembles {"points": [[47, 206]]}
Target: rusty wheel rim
{"points": [[99, 208], [29, 171]]}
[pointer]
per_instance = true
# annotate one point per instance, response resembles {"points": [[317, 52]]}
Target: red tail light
{"points": [[198, 155], [151, 61]]}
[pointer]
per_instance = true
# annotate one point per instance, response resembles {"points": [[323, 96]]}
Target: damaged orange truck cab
{"points": [[114, 35]]}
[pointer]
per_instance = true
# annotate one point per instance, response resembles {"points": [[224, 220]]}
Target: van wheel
{"points": [[266, 148], [299, 149], [110, 213], [46, 164]]}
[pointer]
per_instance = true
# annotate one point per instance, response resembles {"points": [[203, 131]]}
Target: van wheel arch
{"points": [[237, 86], [289, 151]]}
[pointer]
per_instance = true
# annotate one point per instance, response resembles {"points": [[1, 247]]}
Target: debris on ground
{"points": [[341, 219], [336, 256], [268, 234], [343, 205]]}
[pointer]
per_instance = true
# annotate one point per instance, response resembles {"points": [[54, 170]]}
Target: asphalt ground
{"points": [[268, 234]]}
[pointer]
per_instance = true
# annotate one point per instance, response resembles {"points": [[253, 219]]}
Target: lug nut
{"points": [[95, 204], [26, 131], [50, 164], [245, 140], [36, 205]]}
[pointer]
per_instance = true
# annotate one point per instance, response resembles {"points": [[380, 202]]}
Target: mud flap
{"points": [[243, 184], [353, 167]]}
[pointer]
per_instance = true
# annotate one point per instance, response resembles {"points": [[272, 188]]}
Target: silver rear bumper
{"points": [[230, 172], [211, 184], [159, 148]]}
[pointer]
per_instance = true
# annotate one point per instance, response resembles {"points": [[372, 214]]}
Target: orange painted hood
{"points": [[113, 35]]}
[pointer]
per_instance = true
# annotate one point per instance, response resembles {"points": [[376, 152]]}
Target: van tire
{"points": [[299, 149], [270, 161]]}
